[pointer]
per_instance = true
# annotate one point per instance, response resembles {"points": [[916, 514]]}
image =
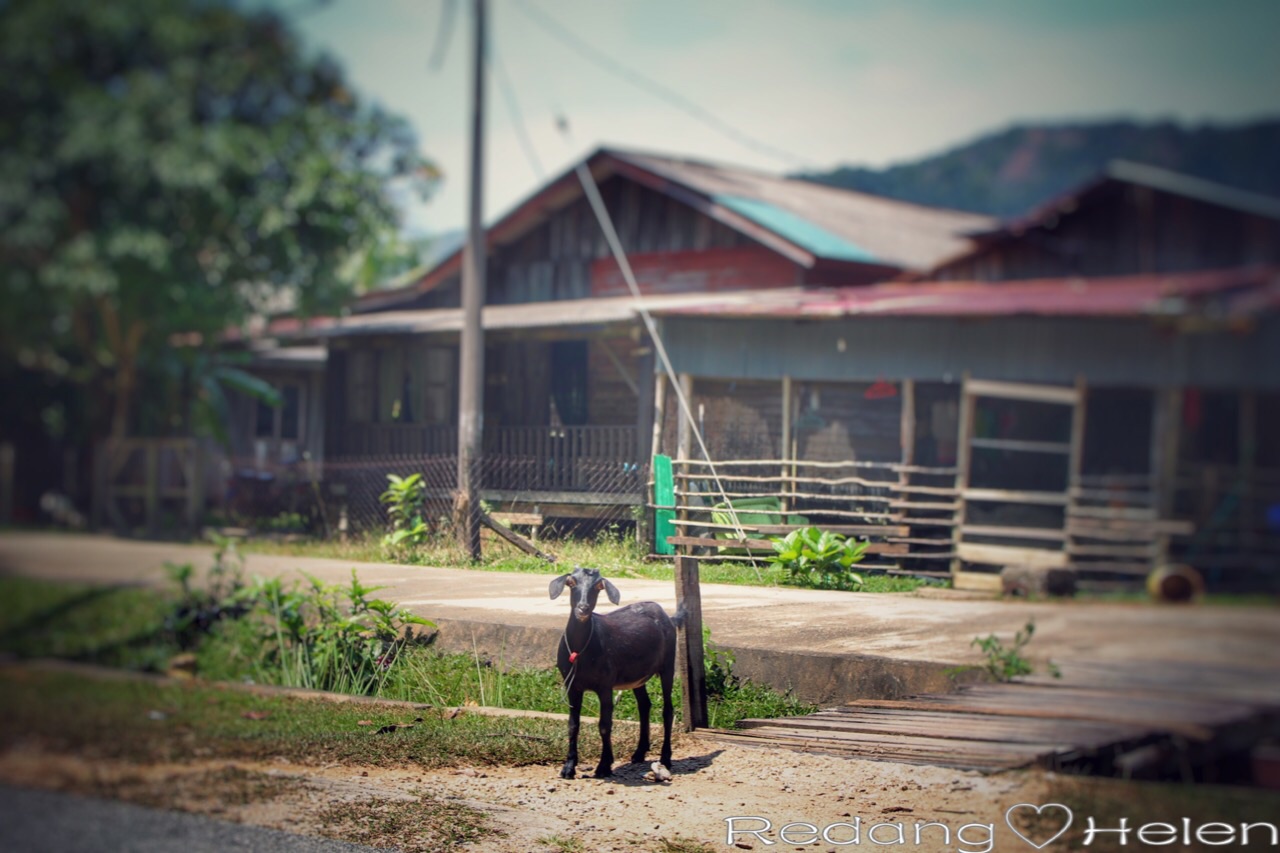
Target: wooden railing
{"points": [[396, 440], [523, 458], [577, 458], [877, 501]]}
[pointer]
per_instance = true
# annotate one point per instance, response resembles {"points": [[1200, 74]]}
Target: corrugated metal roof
{"points": [[1128, 172], [821, 242], [1189, 186], [1227, 293], [801, 220], [530, 315], [854, 226]]}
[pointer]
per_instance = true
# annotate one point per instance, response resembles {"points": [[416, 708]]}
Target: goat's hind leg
{"points": [[668, 713], [642, 705], [575, 718]]}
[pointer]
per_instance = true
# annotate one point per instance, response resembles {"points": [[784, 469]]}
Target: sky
{"points": [[782, 86]]}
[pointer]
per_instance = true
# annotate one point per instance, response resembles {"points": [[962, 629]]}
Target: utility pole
{"points": [[471, 347]]}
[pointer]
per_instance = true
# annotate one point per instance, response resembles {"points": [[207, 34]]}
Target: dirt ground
{"points": [[532, 809]]}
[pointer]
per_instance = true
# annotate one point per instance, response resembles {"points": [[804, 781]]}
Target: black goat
{"points": [[621, 650]]}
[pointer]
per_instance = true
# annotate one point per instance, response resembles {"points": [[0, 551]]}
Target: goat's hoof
{"points": [[604, 771], [638, 757], [567, 772]]}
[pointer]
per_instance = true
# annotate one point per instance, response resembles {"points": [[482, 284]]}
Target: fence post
{"points": [[785, 486], [689, 663], [7, 460], [151, 453]]}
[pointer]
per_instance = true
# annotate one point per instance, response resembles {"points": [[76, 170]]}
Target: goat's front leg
{"points": [[605, 767], [642, 705], [575, 717]]}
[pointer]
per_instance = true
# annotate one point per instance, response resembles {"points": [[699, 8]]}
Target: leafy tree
{"points": [[169, 168]]}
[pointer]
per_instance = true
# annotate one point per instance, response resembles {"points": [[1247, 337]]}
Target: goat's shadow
{"points": [[632, 775]]}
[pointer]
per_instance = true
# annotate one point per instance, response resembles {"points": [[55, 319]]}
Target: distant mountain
{"points": [[1009, 172]]}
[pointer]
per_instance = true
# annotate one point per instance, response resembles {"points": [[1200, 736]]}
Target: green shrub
{"points": [[406, 498], [814, 557]]}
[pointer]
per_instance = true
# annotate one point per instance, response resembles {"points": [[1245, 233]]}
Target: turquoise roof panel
{"points": [[796, 229]]}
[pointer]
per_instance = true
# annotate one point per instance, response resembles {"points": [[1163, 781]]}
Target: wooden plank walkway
{"points": [[993, 727]]}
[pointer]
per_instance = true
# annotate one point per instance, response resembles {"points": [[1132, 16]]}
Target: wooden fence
{"points": [[900, 509], [152, 484], [917, 519]]}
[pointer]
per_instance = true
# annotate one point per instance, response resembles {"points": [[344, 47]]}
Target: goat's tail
{"points": [[682, 613]]}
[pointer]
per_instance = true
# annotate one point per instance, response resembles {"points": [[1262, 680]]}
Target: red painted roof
{"points": [[1217, 293]]}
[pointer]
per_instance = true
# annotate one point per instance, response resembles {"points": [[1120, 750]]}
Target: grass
{"points": [[614, 553], [147, 721], [125, 627], [414, 826], [119, 626], [566, 845]]}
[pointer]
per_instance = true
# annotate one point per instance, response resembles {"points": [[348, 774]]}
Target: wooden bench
{"points": [[532, 520]]}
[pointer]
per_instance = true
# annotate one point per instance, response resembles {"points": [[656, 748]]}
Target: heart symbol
{"points": [[1008, 818]]}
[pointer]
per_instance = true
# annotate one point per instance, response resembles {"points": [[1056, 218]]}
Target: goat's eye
{"points": [[600, 585], [569, 583]]}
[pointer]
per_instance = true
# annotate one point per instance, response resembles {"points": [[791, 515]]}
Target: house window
{"points": [[264, 422], [569, 381], [436, 388], [290, 404], [392, 383], [360, 386], [277, 430], [415, 385]]}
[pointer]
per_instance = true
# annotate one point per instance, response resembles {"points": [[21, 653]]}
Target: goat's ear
{"points": [[611, 591], [557, 585]]}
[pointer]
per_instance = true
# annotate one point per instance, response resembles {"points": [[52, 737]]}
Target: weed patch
{"points": [[320, 637], [1005, 663], [425, 825]]}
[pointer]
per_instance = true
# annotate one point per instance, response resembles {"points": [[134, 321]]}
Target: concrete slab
{"points": [[826, 646]]}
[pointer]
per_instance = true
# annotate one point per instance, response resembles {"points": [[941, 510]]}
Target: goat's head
{"points": [[585, 586]]}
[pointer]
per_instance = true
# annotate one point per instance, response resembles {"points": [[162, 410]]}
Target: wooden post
{"points": [[684, 449], [684, 434], [1164, 460], [1075, 460], [7, 460], [151, 453], [907, 438], [195, 485], [659, 412], [784, 503], [1246, 460], [471, 346], [689, 662], [965, 432]]}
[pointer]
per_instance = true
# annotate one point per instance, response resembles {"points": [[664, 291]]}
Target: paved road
{"points": [[47, 822], [835, 645]]}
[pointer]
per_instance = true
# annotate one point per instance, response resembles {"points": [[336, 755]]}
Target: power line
{"points": [[444, 34], [639, 80], [592, 192], [517, 118]]}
